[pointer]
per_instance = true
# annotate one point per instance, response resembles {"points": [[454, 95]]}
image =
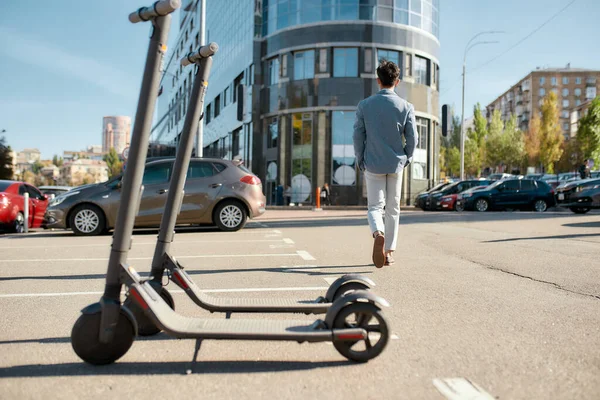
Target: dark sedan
{"points": [[566, 190], [433, 201], [511, 194], [422, 197], [583, 201]]}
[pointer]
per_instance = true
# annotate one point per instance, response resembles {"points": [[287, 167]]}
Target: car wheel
{"points": [[230, 216], [87, 220], [460, 207], [540, 205], [19, 223], [482, 205], [580, 210]]}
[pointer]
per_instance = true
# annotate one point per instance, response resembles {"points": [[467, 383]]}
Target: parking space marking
{"points": [[461, 389], [149, 243], [233, 290], [330, 279], [305, 255], [288, 241]]}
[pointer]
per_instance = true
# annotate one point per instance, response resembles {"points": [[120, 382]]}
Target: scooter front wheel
{"points": [[347, 288], [145, 326], [86, 343], [366, 316]]}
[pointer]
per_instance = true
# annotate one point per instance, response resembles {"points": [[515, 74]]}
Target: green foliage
{"points": [[6, 171], [494, 140], [588, 133], [37, 167], [532, 140], [114, 164], [551, 137]]}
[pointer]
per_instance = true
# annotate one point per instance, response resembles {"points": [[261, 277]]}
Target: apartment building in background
{"points": [[28, 156], [83, 171], [577, 113], [94, 152], [573, 87], [286, 81], [116, 133]]}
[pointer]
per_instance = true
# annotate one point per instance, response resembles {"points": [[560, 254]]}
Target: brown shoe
{"points": [[389, 260], [378, 252]]}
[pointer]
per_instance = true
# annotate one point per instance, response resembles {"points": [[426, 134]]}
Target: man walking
{"points": [[381, 121]]}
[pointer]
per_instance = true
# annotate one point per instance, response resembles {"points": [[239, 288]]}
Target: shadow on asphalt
{"points": [[164, 368], [590, 224], [331, 269], [574, 236]]}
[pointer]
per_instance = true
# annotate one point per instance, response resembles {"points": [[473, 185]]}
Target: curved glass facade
{"points": [[280, 14]]}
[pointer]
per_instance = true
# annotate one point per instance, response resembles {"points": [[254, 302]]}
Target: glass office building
{"points": [[303, 66]]}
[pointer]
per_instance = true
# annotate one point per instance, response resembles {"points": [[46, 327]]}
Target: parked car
{"points": [[12, 206], [53, 191], [511, 194], [217, 192], [422, 197], [498, 177], [459, 204], [583, 198], [595, 174], [534, 176], [567, 189], [434, 201]]}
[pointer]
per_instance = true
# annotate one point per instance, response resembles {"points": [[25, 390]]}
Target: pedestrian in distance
{"points": [[287, 194], [584, 170], [326, 195], [381, 122]]}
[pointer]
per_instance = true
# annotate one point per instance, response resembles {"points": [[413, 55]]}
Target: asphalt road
{"points": [[503, 303]]}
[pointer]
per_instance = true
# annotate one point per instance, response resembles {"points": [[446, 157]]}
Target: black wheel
{"points": [[540, 205], [482, 205], [580, 210], [87, 220], [460, 207], [347, 288], [230, 216], [85, 342], [366, 316], [19, 223], [145, 326]]}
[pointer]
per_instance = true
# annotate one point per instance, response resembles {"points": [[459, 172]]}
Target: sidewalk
{"points": [[332, 208], [307, 213]]}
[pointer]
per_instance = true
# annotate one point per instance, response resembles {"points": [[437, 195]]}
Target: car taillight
{"points": [[250, 180], [3, 200]]}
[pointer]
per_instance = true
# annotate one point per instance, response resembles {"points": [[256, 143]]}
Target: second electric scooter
{"points": [[106, 330]]}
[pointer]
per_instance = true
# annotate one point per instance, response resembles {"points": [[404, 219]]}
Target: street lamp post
{"points": [[469, 46], [202, 27]]}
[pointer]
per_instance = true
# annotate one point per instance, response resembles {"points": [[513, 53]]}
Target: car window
{"points": [[200, 169], [460, 187], [22, 190], [4, 186], [511, 186], [219, 167], [527, 185], [34, 193], [155, 174]]}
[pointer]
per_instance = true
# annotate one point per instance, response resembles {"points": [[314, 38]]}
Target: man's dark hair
{"points": [[388, 73]]}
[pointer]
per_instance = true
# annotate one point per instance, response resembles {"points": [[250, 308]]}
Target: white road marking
{"points": [[235, 290], [297, 254], [147, 243], [394, 337], [461, 389], [330, 280], [288, 241], [305, 255], [276, 231], [281, 246]]}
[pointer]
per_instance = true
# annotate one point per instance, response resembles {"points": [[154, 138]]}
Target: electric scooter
{"points": [[106, 330]]}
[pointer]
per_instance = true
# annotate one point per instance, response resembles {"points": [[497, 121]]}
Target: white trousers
{"points": [[383, 196]]}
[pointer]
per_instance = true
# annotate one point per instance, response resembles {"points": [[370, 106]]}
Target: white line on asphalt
{"points": [[281, 246], [330, 279], [461, 389], [235, 290], [181, 257], [305, 255], [53, 246], [394, 337], [288, 241], [276, 231]]}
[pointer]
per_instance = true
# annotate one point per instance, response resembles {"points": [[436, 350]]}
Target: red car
{"points": [[12, 210]]}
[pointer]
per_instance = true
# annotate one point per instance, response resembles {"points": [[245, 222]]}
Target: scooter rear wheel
{"points": [[145, 326], [86, 343], [347, 288], [366, 316]]}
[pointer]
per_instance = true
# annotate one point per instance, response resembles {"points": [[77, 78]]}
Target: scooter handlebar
{"points": [[158, 9], [203, 52]]}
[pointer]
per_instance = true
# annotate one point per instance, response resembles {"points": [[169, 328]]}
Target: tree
{"points": [[114, 164], [551, 137], [532, 140], [588, 133], [37, 167], [472, 156], [57, 161], [494, 141], [571, 156], [453, 161], [29, 177], [513, 145], [6, 170]]}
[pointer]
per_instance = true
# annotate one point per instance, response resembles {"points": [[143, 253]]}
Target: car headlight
{"points": [[467, 195], [58, 200]]}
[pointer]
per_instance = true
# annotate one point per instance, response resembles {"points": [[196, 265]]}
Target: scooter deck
{"points": [[239, 329], [246, 305]]}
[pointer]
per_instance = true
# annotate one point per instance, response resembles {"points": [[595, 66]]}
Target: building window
{"points": [[565, 126], [590, 93], [272, 133], [565, 103], [578, 80], [274, 71], [343, 162], [217, 104], [208, 114], [284, 64], [304, 65], [555, 90], [226, 96], [389, 55], [368, 60], [385, 14], [236, 84], [564, 114], [408, 65], [419, 164], [345, 62], [578, 92], [577, 102], [323, 60], [421, 70], [301, 157], [554, 81], [542, 80], [565, 80], [565, 92]]}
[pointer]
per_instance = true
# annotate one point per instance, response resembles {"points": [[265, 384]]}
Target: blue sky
{"points": [[65, 68]]}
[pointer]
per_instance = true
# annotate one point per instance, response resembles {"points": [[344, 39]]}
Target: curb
{"points": [[330, 208]]}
